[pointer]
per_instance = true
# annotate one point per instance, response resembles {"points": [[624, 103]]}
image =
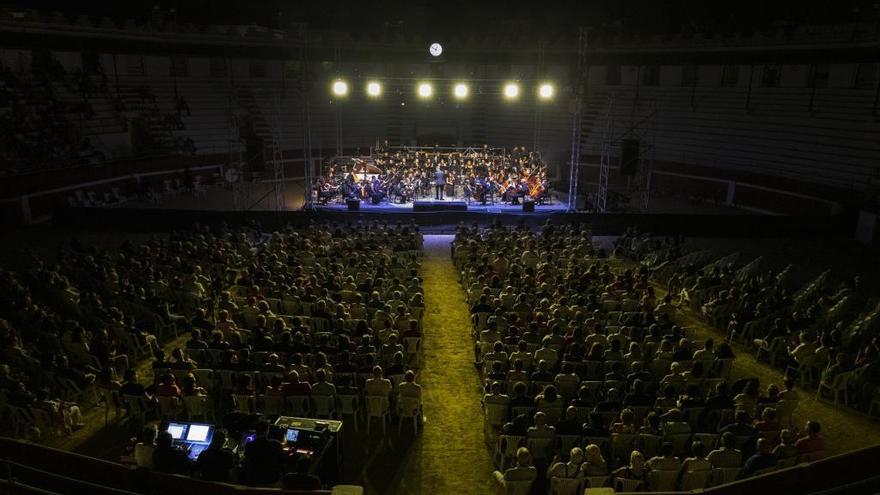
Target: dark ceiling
{"points": [[463, 17]]}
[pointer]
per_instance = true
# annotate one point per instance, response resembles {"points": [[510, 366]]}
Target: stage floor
{"points": [[474, 207]]}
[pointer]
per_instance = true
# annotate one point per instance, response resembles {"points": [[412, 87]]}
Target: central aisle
{"points": [[450, 456]]}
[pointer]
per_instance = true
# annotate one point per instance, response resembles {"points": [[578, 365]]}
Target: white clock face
{"points": [[436, 49]]}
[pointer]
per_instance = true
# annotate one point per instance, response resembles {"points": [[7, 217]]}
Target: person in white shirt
{"points": [[143, 450], [523, 471], [378, 385], [570, 469], [409, 387], [322, 386]]}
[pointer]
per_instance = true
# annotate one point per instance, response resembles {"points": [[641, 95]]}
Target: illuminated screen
{"points": [[177, 430], [198, 433], [292, 435]]}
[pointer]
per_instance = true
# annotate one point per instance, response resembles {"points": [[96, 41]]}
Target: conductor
{"points": [[439, 183]]}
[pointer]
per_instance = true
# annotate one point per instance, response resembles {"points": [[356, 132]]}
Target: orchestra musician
{"points": [[406, 175]]}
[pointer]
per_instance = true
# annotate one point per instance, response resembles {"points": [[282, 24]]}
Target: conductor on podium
{"points": [[439, 183]]}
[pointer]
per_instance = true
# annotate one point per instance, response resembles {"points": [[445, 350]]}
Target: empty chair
{"points": [[377, 407], [409, 408], [324, 406], [349, 405]]}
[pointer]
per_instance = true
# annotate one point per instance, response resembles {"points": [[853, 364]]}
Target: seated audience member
{"points": [[666, 461], [294, 387], [523, 471], [143, 450], [322, 387], [762, 459], [378, 385], [570, 469], [168, 458], [215, 463], [697, 461], [569, 424], [408, 387], [594, 464], [635, 470], [726, 456], [301, 479], [786, 448], [167, 386], [263, 458], [811, 445], [520, 396]]}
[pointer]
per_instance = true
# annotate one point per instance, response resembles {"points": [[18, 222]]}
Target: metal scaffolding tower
{"points": [[277, 158], [308, 165], [605, 158], [580, 81]]}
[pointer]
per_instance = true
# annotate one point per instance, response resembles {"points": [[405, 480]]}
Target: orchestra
{"points": [[402, 176]]}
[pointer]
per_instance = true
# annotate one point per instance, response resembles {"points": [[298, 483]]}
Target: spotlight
{"points": [[545, 91], [340, 88], [511, 91], [374, 89], [425, 90], [460, 91]]}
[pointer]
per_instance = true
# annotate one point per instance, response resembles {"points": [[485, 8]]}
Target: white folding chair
{"points": [[324, 406], [349, 406], [409, 408], [565, 486], [377, 407], [692, 480]]}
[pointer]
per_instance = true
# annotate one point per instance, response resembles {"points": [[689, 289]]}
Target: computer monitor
{"points": [[291, 436], [199, 433], [177, 430]]}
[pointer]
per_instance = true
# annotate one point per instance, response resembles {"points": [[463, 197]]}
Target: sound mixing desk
{"points": [[319, 440]]}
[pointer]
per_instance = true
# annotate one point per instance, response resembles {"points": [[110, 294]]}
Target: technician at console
{"points": [[215, 462], [168, 458], [263, 458]]}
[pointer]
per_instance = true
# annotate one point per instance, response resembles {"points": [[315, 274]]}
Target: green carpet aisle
{"points": [[450, 455]]}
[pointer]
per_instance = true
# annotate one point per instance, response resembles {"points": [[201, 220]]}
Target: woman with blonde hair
{"points": [[634, 471], [594, 464], [570, 469]]}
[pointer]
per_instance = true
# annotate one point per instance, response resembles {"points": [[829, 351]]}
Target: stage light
{"points": [[374, 89], [340, 88], [511, 91], [425, 90], [460, 91], [545, 91]]}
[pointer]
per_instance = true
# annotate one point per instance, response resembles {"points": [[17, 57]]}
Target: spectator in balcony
{"points": [[594, 464]]}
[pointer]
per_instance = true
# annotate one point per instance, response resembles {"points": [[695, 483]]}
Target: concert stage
{"points": [[446, 205]]}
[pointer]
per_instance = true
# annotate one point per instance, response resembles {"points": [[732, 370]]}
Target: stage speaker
{"points": [[529, 206], [629, 157], [254, 150], [353, 204]]}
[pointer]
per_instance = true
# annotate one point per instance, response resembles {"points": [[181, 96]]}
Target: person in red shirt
{"points": [[167, 386], [295, 387], [811, 443], [768, 421]]}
